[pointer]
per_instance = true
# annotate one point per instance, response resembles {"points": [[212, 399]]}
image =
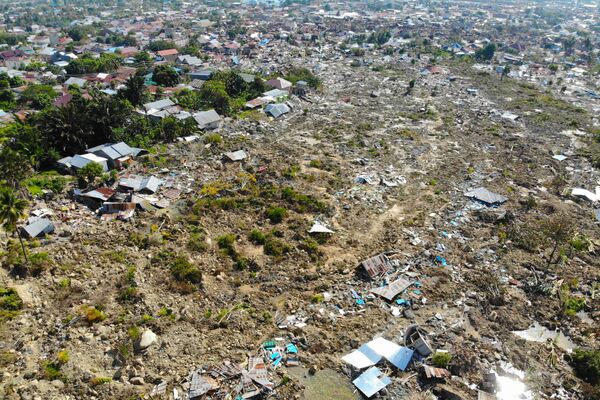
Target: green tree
{"points": [[214, 94], [39, 96], [165, 75], [90, 171], [12, 209], [487, 53], [135, 91], [159, 45]]}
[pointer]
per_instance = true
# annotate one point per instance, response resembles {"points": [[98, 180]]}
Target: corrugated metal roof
{"points": [[39, 226]]}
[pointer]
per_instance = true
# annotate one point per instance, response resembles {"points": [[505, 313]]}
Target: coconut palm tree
{"points": [[12, 208]]}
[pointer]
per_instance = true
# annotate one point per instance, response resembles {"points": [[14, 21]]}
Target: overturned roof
{"points": [[485, 196], [236, 155], [38, 226]]}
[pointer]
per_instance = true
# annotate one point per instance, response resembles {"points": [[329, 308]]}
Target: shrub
{"points": [[277, 248], [276, 214], [587, 365], [10, 303], [184, 271], [257, 237], [441, 359], [92, 315], [213, 138], [51, 371], [317, 298], [226, 241], [100, 380], [197, 243], [62, 357], [39, 262], [572, 305]]}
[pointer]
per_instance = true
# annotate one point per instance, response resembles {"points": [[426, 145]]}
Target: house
{"points": [[201, 75], [63, 100], [168, 55], [138, 183], [38, 227], [279, 83], [189, 60], [207, 119], [276, 110], [117, 154], [79, 161], [255, 103], [95, 198], [158, 105], [75, 81], [277, 95]]}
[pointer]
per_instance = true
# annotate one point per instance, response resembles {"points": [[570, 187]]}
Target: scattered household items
{"points": [[591, 196], [376, 265]]}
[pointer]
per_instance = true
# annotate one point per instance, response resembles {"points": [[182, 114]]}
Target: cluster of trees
{"points": [[165, 75], [86, 64], [11, 39], [226, 92], [7, 97], [380, 37], [486, 53], [296, 74]]}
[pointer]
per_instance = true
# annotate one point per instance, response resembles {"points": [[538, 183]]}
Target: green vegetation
{"points": [[275, 247], [317, 298], [276, 214], [165, 75], [257, 237], [184, 271], [90, 172], [296, 74], [100, 380], [38, 96], [87, 64], [197, 243], [92, 315], [225, 91], [302, 202], [49, 180], [587, 365], [441, 359], [10, 303]]}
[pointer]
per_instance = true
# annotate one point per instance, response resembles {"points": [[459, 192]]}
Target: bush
{"points": [[10, 303], [39, 262], [226, 241], [213, 138], [100, 380], [277, 248], [257, 237], [197, 243], [317, 298], [441, 359], [572, 305], [276, 214], [587, 365], [184, 271], [90, 171], [92, 315]]}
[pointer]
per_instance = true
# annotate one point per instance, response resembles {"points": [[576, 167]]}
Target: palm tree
{"points": [[12, 208]]}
